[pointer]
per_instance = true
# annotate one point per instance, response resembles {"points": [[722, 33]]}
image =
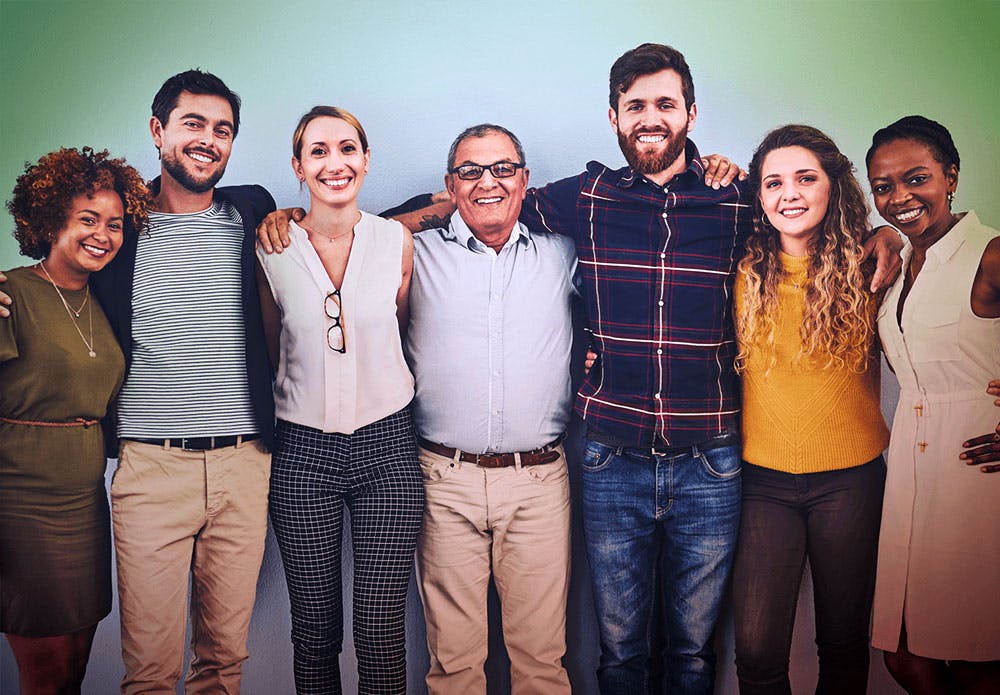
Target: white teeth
{"points": [[909, 215], [198, 157], [488, 201], [651, 138], [793, 212], [95, 250], [335, 183]]}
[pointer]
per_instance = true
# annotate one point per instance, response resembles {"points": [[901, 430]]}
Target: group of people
{"points": [[431, 392]]}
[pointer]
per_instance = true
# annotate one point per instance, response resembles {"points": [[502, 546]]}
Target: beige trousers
{"points": [[516, 522], [177, 514]]}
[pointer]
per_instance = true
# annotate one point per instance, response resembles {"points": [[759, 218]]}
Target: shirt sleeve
{"points": [[552, 208]]}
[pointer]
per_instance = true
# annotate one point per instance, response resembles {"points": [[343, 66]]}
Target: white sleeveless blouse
{"points": [[317, 386]]}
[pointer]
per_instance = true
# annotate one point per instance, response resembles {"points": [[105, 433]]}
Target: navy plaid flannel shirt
{"points": [[657, 265]]}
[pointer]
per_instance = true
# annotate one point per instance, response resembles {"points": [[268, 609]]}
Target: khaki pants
{"points": [[178, 513], [516, 521]]}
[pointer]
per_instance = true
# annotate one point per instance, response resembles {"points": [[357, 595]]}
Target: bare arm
{"points": [[885, 244], [272, 232], [403, 295], [4, 300], [271, 315], [433, 216]]}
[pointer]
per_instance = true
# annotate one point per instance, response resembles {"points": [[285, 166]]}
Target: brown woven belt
{"points": [[535, 457], [78, 422]]}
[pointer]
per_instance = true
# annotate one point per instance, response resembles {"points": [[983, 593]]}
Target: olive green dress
{"points": [[55, 537]]}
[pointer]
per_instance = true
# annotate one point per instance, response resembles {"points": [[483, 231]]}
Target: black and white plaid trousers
{"points": [[374, 472]]}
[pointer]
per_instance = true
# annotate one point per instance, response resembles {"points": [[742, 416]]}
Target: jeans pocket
{"points": [[554, 473], [434, 469], [597, 456], [723, 462]]}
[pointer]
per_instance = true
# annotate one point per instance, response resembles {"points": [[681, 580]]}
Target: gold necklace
{"points": [[71, 312]]}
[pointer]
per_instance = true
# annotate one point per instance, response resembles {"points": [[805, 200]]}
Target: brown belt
{"points": [[78, 422], [535, 457]]}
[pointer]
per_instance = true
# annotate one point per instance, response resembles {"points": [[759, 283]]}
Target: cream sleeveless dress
{"points": [[939, 549]]}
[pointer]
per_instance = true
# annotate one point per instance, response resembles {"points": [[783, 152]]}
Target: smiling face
{"points": [[196, 140], [332, 163], [911, 188], [490, 206], [794, 194], [652, 123], [90, 238]]}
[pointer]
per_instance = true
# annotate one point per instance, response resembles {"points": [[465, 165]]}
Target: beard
{"points": [[176, 170], [652, 162]]}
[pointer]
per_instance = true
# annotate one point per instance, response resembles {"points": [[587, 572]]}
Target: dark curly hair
{"points": [[931, 133], [45, 191]]}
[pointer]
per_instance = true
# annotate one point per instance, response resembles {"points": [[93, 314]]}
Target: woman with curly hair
{"points": [[60, 367], [813, 432], [937, 615]]}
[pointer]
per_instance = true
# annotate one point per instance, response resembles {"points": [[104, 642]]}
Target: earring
{"points": [[764, 221], [951, 197]]}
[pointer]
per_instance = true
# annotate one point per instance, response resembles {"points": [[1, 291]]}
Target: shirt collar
{"points": [[459, 231], [694, 171], [946, 247]]}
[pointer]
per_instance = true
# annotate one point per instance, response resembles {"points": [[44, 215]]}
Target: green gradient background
{"points": [[77, 73], [415, 73]]}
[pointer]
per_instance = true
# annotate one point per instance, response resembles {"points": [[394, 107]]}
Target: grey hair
{"points": [[479, 131]]}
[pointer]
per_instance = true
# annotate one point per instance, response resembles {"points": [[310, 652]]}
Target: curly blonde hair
{"points": [[45, 191], [838, 317]]}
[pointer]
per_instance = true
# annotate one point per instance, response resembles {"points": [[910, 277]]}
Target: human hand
{"points": [[272, 232], [980, 450], [4, 300], [720, 171], [886, 245], [588, 362]]}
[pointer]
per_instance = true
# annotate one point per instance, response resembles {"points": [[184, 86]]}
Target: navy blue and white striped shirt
{"points": [[188, 373]]}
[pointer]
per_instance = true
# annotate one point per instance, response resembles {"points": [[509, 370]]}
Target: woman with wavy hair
{"points": [[813, 432], [60, 367]]}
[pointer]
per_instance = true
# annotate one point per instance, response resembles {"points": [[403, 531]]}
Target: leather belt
{"points": [[535, 457], [198, 443]]}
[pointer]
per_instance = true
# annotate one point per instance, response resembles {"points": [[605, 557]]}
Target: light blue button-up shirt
{"points": [[490, 337]]}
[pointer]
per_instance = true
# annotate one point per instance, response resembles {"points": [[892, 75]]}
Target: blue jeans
{"points": [[679, 512]]}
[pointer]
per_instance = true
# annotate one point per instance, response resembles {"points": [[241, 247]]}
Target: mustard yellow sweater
{"points": [[803, 419]]}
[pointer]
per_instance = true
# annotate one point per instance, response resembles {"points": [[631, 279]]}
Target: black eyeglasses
{"points": [[335, 335], [499, 170]]}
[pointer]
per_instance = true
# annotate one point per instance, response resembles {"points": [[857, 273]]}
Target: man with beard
{"points": [[195, 414], [661, 466], [661, 484]]}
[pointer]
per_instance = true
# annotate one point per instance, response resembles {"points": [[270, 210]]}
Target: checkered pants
{"points": [[376, 474]]}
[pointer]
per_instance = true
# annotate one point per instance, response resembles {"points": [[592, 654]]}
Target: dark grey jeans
{"points": [[831, 518]]}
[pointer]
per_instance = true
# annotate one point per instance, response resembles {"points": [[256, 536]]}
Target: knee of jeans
{"points": [[761, 662]]}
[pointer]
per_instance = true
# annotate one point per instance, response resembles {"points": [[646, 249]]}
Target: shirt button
{"points": [[659, 304], [656, 395], [663, 255], [664, 215], [659, 352]]}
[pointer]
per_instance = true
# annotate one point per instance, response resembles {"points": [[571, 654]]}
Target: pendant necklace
{"points": [[74, 314]]}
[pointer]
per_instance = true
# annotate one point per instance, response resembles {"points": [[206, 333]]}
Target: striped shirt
{"points": [[188, 373], [657, 265]]}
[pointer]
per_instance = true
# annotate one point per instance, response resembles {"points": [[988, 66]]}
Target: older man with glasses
{"points": [[489, 344]]}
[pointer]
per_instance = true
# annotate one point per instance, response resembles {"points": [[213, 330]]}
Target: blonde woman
{"points": [[813, 432], [333, 305]]}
